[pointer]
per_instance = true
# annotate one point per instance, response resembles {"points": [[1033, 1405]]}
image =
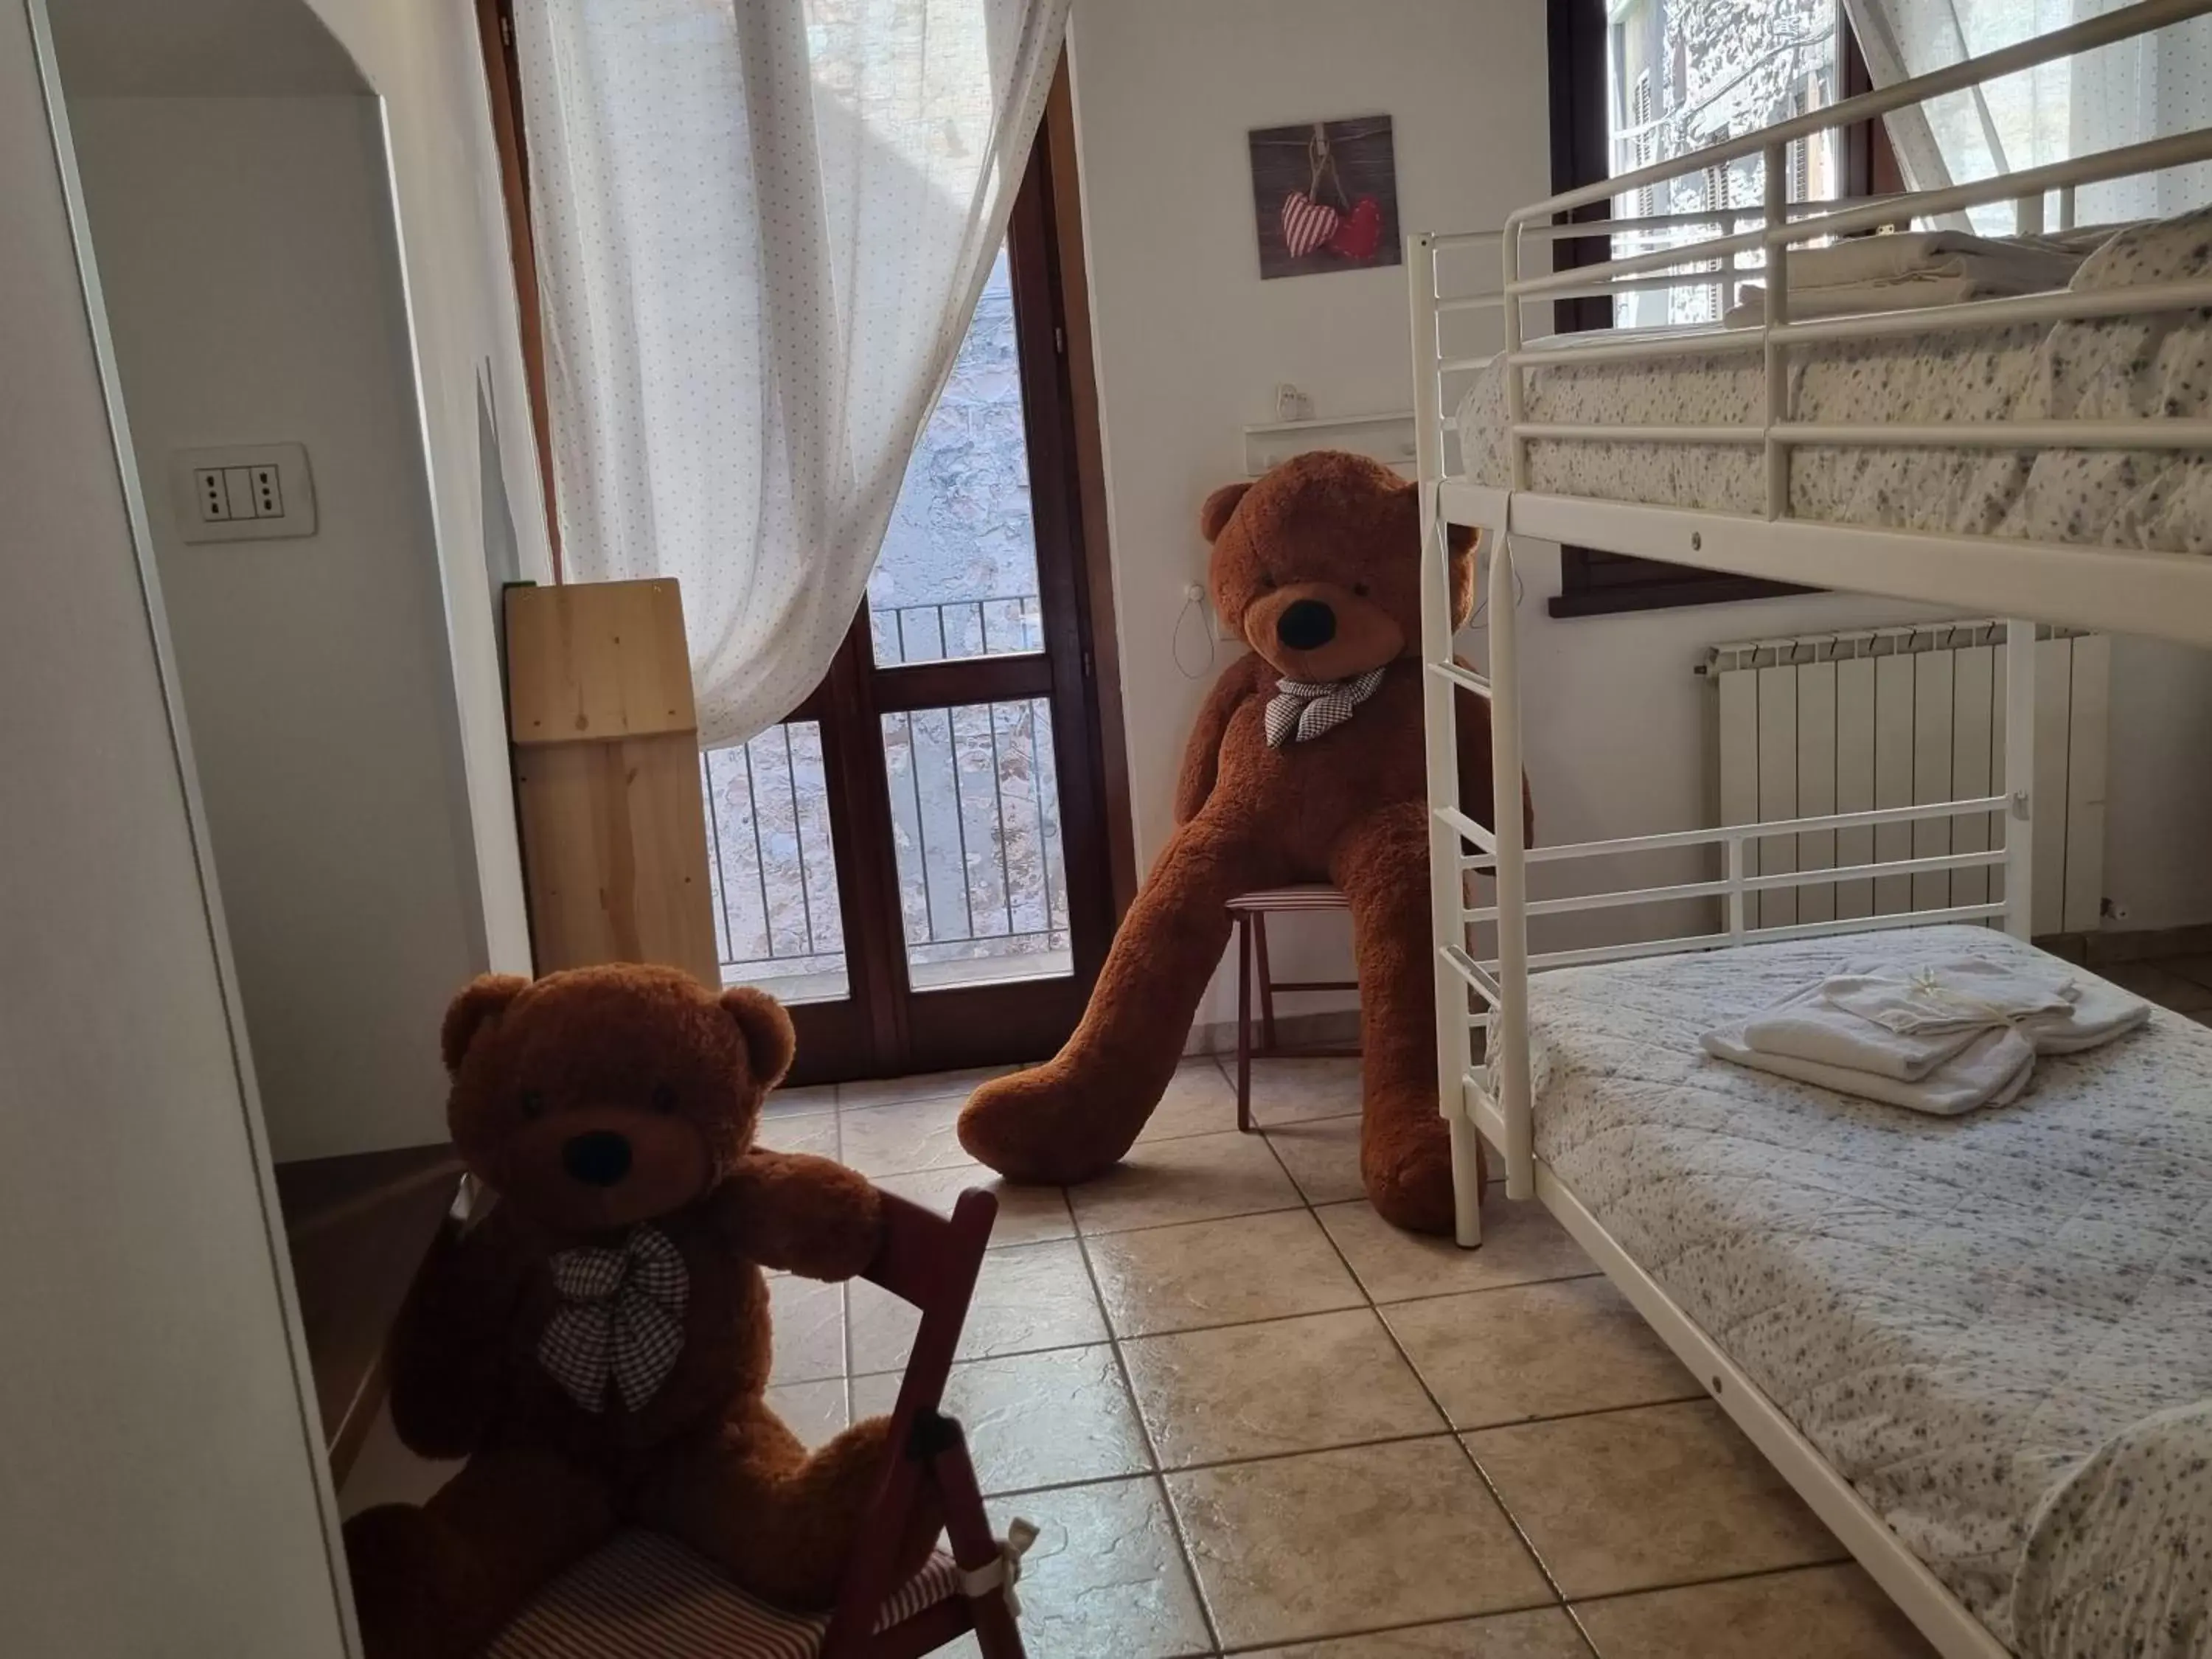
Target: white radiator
{"points": [[1900, 717]]}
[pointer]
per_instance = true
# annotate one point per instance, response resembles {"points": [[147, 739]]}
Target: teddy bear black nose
{"points": [[1306, 624], [599, 1157]]}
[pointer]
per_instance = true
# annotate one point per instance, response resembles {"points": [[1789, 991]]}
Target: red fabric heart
{"points": [[1307, 224], [1359, 235]]}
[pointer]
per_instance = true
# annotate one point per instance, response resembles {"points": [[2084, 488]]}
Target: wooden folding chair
{"points": [[644, 1597], [1250, 911]]}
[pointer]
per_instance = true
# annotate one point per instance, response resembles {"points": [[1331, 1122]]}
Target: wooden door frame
{"points": [[871, 1032]]}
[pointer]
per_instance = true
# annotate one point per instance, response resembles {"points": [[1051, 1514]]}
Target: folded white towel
{"points": [[1810, 1027], [1941, 253], [2056, 1011], [1891, 293], [1990, 1071], [1918, 267], [2097, 1013], [1962, 993], [2041, 261], [1944, 1037]]}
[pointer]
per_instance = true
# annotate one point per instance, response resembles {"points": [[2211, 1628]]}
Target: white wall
{"points": [[161, 1485], [253, 283], [1191, 343], [423, 61], [2158, 826], [458, 367]]}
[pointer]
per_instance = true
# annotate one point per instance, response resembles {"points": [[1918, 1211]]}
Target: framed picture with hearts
{"points": [[1325, 196]]}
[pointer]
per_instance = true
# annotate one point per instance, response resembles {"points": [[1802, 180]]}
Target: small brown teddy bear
{"points": [[1306, 764], [597, 1347]]}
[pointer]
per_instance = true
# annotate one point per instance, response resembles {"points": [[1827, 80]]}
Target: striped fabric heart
{"points": [[1306, 223]]}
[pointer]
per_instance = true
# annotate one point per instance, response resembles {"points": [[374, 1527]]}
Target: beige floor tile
{"points": [[1035, 1419], [1332, 1379], [1035, 1297], [1545, 1633], [1637, 1499], [1332, 1543], [2197, 969], [1105, 1578], [812, 1411], [1198, 1101], [1521, 1244], [1027, 1215], [807, 1321], [800, 1132], [1322, 1155], [1219, 1272], [2161, 984], [1820, 1612], [1290, 1090], [928, 1086], [899, 1140], [1197, 1178], [785, 1103], [1530, 1351]]}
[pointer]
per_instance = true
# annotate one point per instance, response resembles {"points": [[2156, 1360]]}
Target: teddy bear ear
{"points": [[770, 1043], [485, 999], [1213, 517]]}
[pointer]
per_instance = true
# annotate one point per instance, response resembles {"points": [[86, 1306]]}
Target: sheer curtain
{"points": [[761, 227], [2118, 94]]}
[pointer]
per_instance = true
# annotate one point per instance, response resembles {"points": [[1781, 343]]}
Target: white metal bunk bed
{"points": [[2122, 588]]}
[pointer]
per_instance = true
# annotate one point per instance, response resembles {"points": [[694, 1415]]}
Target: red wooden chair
{"points": [[645, 1596]]}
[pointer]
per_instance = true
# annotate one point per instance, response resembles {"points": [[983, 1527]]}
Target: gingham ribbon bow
{"points": [[621, 1317], [1302, 710]]}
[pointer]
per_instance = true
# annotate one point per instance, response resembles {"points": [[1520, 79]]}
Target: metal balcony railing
{"points": [[976, 822]]}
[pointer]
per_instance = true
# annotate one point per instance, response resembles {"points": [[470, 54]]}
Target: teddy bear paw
{"points": [[1406, 1169], [416, 1594], [1040, 1128]]}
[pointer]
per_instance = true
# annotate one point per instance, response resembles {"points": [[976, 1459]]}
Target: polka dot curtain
{"points": [[761, 228], [2122, 93]]}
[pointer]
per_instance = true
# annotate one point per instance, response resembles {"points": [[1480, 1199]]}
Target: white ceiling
{"points": [[197, 49]]}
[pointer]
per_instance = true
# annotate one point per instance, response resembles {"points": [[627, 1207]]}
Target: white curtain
{"points": [[761, 227], [2118, 94]]}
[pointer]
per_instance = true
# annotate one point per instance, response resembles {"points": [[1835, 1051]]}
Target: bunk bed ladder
{"points": [[1447, 926]]}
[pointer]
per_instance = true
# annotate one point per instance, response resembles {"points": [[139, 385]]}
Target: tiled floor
{"points": [[1252, 1419]]}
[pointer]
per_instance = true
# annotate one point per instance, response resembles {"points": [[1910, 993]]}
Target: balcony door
{"points": [[916, 860]]}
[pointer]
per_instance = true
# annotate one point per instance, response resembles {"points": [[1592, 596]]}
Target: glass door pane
{"points": [[958, 577], [975, 820], [1684, 74], [773, 873]]}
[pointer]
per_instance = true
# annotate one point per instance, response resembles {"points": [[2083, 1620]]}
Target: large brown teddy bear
{"points": [[1317, 565], [597, 1347]]}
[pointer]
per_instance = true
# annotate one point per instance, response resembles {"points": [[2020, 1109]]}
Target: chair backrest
{"points": [[931, 1262]]}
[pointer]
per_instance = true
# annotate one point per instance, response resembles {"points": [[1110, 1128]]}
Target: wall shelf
{"points": [[1388, 438]]}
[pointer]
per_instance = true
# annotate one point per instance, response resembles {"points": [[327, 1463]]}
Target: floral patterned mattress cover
{"points": [[2159, 365], [1959, 1314]]}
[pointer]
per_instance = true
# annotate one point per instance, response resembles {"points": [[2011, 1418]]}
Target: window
{"points": [[1724, 66]]}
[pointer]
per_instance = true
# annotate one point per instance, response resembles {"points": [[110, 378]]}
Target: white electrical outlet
{"points": [[244, 492]]}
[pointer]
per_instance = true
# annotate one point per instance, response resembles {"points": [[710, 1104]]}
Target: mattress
{"points": [[1958, 1313], [2158, 366]]}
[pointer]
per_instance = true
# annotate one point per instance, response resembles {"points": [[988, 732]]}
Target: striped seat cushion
{"points": [[1311, 897], [644, 1597]]}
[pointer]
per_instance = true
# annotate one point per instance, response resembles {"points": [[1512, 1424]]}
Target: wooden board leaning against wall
{"points": [[606, 775]]}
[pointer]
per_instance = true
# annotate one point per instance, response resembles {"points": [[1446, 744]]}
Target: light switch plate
{"points": [[242, 493]]}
